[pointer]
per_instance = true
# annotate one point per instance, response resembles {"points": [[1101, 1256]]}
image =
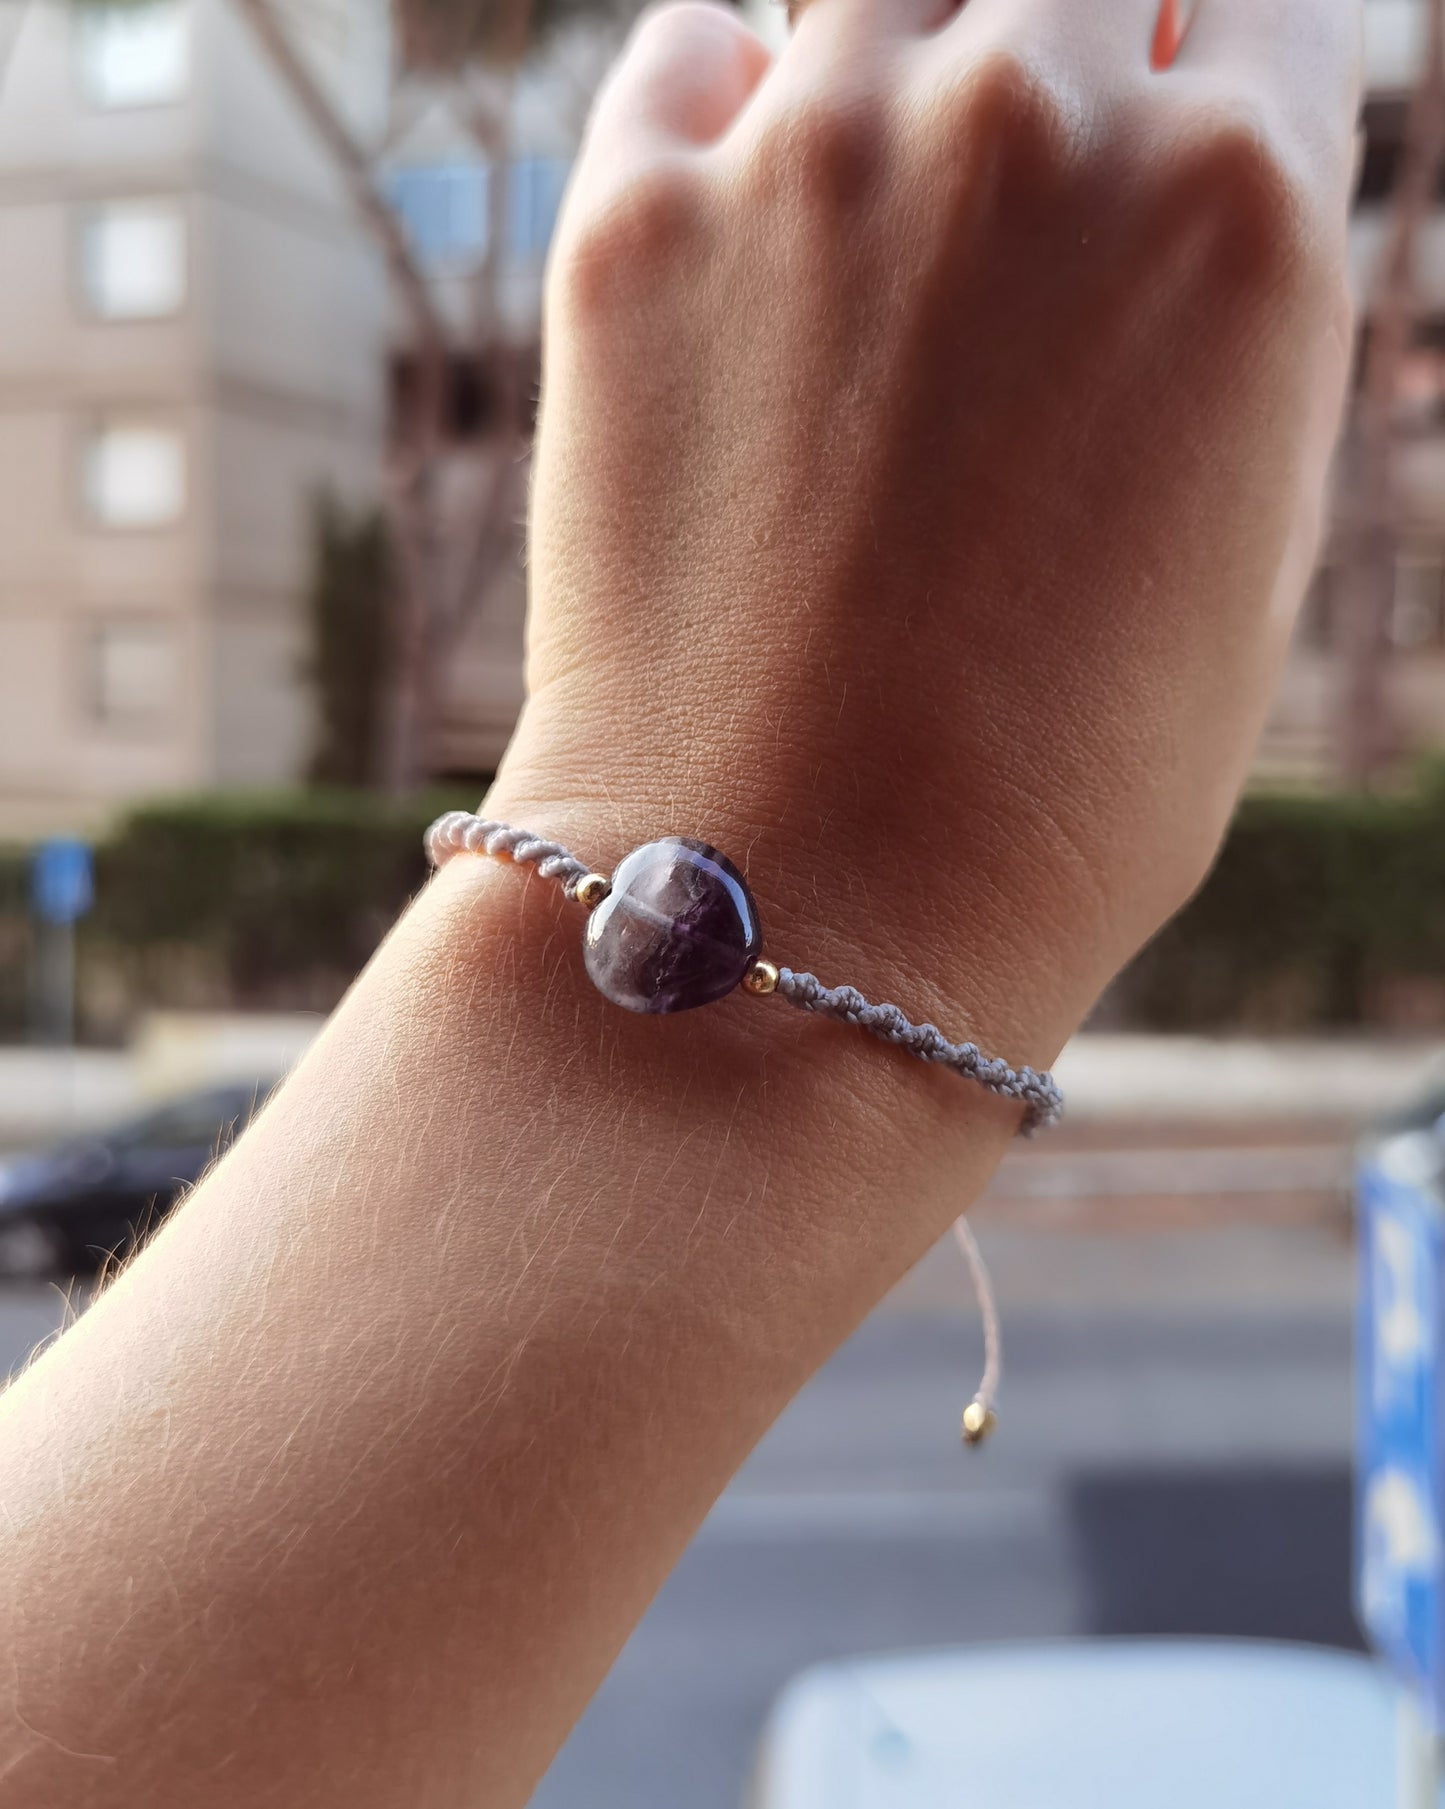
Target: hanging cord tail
{"points": [[979, 1418]]}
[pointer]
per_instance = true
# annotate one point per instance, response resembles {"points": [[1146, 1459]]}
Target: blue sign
{"points": [[1400, 1397], [61, 882]]}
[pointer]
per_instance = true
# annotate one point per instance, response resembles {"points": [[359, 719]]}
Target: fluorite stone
{"points": [[678, 928]]}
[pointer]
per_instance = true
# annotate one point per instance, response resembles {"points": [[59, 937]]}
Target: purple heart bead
{"points": [[678, 928]]}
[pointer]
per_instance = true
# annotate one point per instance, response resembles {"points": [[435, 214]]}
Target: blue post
{"points": [[62, 889], [1400, 1396]]}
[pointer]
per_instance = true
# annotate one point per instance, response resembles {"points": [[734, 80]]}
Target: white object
{"points": [[1101, 1724]]}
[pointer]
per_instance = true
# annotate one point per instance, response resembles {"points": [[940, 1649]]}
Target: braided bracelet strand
{"points": [[676, 926], [459, 832], [1038, 1092]]}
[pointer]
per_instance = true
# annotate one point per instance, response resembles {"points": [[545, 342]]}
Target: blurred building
{"points": [[480, 229], [1301, 738], [196, 335], [191, 339]]}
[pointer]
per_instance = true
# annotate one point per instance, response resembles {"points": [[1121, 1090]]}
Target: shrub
{"points": [[16, 938], [257, 899], [349, 603], [1313, 904]]}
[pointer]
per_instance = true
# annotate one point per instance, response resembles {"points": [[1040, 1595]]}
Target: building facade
{"points": [[192, 334], [1302, 740], [483, 244]]}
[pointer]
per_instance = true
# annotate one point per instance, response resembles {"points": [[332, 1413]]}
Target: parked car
{"points": [[63, 1210]]}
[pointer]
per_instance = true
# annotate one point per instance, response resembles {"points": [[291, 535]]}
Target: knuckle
{"points": [[1007, 107], [615, 242], [668, 25], [826, 150], [1234, 178]]}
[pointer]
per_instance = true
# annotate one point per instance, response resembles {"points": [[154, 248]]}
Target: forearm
{"points": [[350, 1488]]}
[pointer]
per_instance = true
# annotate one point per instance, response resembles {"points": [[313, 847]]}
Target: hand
{"points": [[934, 431]]}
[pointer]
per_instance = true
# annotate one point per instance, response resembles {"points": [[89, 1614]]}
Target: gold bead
{"points": [[761, 978], [978, 1422], [592, 888]]}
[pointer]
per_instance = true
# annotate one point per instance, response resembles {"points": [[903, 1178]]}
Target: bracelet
{"points": [[676, 927]]}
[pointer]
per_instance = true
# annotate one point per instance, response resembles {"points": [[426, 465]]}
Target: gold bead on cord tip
{"points": [[978, 1421], [761, 978], [591, 889]]}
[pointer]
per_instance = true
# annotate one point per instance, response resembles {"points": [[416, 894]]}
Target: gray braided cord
{"points": [[1038, 1093], [459, 832]]}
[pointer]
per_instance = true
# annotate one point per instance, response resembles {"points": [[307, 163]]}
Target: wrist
{"points": [[814, 1140], [975, 945], [674, 927]]}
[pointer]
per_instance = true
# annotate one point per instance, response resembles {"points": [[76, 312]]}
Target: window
{"points": [[133, 260], [1383, 123], [444, 207], [134, 674], [135, 475], [534, 194], [136, 54]]}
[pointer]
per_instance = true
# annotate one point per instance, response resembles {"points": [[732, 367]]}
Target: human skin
{"points": [[935, 425]]}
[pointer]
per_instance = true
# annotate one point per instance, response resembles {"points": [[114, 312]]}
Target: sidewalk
{"points": [[46, 1093], [1187, 1082], [1153, 1084], [1190, 1079]]}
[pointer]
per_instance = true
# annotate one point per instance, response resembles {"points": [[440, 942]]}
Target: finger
{"points": [[1303, 57], [1103, 44], [838, 59], [689, 69], [1169, 31]]}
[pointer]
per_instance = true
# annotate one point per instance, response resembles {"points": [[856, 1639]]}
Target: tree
{"points": [[440, 572], [349, 607], [1367, 739]]}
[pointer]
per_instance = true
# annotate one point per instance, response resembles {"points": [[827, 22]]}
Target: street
{"points": [[1172, 1457]]}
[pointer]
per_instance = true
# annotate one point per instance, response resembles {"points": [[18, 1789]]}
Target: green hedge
{"points": [[16, 938], [1315, 910], [1322, 911], [255, 899]]}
